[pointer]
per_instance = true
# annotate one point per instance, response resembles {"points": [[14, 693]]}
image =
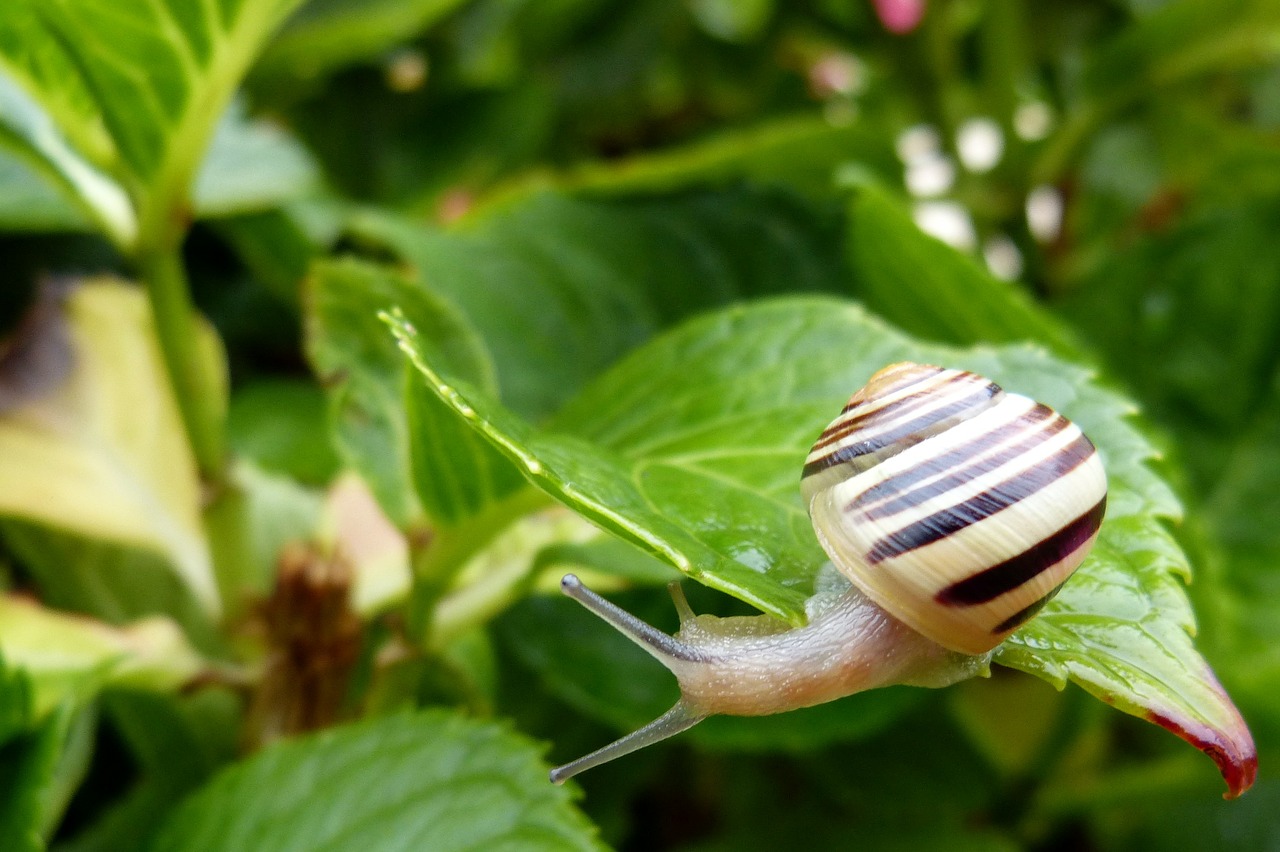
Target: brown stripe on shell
{"points": [[907, 434], [864, 416], [991, 583], [890, 380], [904, 498], [1025, 614], [979, 507]]}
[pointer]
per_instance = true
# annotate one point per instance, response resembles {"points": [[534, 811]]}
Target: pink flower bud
{"points": [[900, 16]]}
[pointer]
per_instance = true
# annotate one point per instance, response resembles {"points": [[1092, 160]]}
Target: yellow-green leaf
{"points": [[67, 655], [103, 453]]}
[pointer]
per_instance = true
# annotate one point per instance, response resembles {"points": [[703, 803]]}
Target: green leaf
{"points": [[28, 129], [606, 556], [107, 447], [38, 773], [252, 165], [278, 245], [272, 423], [1182, 41], [327, 34], [596, 277], [68, 657], [1189, 315], [1203, 823], [916, 786], [15, 701], [202, 727], [441, 467], [691, 447], [931, 290], [431, 780], [29, 203], [81, 62], [1240, 511], [43, 67], [740, 21], [559, 287], [116, 583], [195, 55]]}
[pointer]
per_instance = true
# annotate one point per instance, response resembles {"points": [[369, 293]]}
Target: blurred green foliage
{"points": [[557, 197]]}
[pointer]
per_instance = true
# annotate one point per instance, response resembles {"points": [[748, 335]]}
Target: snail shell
{"points": [[957, 507]]}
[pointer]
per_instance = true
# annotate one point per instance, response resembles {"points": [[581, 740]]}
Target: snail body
{"points": [[954, 509]]}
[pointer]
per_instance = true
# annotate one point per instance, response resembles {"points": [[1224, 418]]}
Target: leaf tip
{"points": [[1231, 747]]}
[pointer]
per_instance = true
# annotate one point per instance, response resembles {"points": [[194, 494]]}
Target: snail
{"points": [[954, 509]]}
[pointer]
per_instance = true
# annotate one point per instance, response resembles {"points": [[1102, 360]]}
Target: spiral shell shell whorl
{"points": [[957, 507]]}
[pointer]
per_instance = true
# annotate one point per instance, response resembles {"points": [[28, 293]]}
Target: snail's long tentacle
{"points": [[678, 718], [661, 646]]}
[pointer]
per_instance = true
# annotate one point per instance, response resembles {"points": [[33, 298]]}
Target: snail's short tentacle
{"points": [[683, 609], [678, 718], [662, 646]]}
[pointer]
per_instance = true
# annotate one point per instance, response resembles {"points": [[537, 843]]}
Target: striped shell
{"points": [[957, 507]]}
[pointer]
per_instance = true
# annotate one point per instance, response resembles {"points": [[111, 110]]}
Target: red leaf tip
{"points": [[1231, 748]]}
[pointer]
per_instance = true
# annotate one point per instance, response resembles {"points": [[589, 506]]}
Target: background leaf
{"points": [[1239, 510], [799, 154], [66, 659], [599, 276], [328, 34], [113, 582], [38, 772], [441, 467], [28, 129], [106, 448], [16, 701], [252, 165], [431, 779], [27, 202], [930, 290], [44, 68], [195, 55]]}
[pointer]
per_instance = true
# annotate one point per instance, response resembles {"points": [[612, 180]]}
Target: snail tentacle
{"points": [[683, 609], [676, 720], [666, 648]]}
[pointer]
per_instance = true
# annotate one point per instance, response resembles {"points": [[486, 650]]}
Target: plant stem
{"points": [[196, 384]]}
